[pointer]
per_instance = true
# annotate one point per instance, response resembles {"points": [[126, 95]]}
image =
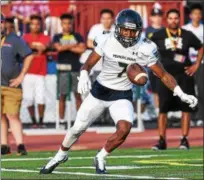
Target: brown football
{"points": [[137, 74]]}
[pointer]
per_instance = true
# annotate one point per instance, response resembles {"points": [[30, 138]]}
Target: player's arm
{"points": [[91, 61], [84, 84], [165, 77], [171, 83]]}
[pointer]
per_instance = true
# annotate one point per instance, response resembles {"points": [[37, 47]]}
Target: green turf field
{"points": [[122, 164]]}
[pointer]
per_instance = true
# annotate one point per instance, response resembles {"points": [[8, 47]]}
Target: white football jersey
{"points": [[116, 58]]}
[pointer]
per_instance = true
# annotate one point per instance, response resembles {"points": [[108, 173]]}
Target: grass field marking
{"points": [[92, 174], [81, 158], [172, 162]]}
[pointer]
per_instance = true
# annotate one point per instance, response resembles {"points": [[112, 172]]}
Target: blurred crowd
{"points": [[54, 38]]}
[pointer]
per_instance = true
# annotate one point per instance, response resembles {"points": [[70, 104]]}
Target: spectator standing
{"points": [[173, 44], [70, 46], [9, 25], [34, 81], [106, 26], [196, 27], [12, 47], [156, 22]]}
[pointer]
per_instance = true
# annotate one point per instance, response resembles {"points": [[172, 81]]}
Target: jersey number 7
{"points": [[124, 68]]}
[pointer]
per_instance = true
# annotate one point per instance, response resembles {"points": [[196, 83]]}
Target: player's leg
{"points": [[90, 109], [40, 98], [122, 113], [63, 94], [28, 96]]}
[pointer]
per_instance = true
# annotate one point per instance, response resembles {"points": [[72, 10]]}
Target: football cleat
{"points": [[100, 166], [52, 164], [184, 144], [161, 145]]}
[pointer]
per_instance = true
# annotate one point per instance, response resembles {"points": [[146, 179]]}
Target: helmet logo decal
{"points": [[130, 25]]}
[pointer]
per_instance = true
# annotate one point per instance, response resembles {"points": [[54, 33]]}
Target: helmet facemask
{"points": [[127, 41]]}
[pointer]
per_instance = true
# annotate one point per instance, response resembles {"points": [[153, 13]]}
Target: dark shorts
{"points": [[153, 82], [106, 94], [63, 82], [168, 102]]}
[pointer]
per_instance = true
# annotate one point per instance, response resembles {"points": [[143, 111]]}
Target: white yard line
{"points": [[80, 158], [90, 174], [110, 167]]}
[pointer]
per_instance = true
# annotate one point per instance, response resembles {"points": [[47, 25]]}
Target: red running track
{"points": [[90, 140]]}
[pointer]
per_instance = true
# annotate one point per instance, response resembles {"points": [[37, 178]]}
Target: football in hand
{"points": [[137, 74]]}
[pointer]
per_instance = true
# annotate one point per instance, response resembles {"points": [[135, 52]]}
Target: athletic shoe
{"points": [[100, 166], [21, 150], [161, 145], [5, 149], [53, 163], [184, 144]]}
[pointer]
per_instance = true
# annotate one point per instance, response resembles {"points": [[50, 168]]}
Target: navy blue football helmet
{"points": [[128, 19]]}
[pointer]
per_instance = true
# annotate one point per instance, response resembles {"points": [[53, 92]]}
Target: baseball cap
{"points": [[156, 11]]}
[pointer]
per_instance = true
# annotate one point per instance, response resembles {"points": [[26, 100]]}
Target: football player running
{"points": [[112, 89]]}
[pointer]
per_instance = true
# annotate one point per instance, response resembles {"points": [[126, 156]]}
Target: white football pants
{"points": [[91, 109]]}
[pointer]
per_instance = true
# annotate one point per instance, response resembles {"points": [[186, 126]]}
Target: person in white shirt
{"points": [[112, 89], [196, 27], [104, 27]]}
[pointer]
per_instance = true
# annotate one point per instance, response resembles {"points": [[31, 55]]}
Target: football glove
{"points": [[84, 84], [189, 99]]}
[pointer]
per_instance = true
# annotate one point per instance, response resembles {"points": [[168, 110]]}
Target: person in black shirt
{"points": [[70, 46], [173, 44]]}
